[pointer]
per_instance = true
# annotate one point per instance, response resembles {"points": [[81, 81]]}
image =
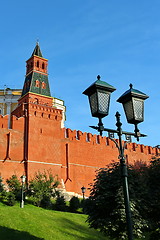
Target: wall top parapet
{"points": [[84, 137]]}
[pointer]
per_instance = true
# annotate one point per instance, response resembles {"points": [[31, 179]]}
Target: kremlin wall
{"points": [[36, 139]]}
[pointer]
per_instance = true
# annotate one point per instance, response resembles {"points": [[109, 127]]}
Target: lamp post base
{"points": [[22, 204]]}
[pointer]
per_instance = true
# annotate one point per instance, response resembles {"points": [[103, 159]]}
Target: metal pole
{"points": [[22, 197], [124, 175], [100, 126]]}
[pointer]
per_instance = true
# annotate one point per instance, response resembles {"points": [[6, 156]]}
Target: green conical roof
{"points": [[37, 51]]}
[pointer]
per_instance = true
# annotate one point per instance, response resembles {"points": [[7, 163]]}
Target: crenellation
{"points": [[83, 137], [157, 151], [141, 148], [71, 135], [4, 121], [79, 135], [67, 132], [129, 147], [17, 123], [94, 139], [107, 141], [145, 150], [149, 150], [89, 136], [86, 137]]}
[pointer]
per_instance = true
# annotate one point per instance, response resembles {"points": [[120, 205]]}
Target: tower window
{"points": [[0, 111], [43, 66], [37, 83], [38, 64], [43, 85]]}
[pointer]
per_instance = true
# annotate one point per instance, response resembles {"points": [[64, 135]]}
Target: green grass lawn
{"points": [[33, 223]]}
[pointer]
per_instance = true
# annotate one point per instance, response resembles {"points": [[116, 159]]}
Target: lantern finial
{"points": [[98, 77], [131, 85]]}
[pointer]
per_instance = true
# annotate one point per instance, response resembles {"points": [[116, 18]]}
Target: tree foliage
{"points": [[154, 197], [14, 186], [74, 204], [105, 206], [60, 204], [1, 185], [42, 187]]}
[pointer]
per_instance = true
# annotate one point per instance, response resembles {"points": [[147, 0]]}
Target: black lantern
{"points": [[133, 104], [99, 97], [83, 189], [23, 178]]}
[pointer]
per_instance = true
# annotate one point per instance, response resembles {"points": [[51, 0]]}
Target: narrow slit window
{"points": [[43, 66]]}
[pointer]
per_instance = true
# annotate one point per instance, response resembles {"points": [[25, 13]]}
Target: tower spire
{"points": [[37, 50], [36, 80]]}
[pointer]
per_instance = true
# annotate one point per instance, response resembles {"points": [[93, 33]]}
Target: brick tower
{"points": [[42, 120], [36, 85]]}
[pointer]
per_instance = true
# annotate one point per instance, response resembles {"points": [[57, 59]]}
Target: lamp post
{"points": [[23, 179], [133, 104], [83, 191]]}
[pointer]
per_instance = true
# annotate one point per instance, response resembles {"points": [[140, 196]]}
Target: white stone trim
{"points": [[55, 164]]}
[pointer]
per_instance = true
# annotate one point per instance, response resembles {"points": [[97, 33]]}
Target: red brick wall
{"points": [[37, 138], [11, 147], [84, 157]]}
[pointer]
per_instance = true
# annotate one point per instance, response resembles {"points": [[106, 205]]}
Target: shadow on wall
{"points": [[11, 234]]}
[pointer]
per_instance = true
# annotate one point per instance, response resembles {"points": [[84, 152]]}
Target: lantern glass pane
{"points": [[103, 102], [128, 108], [138, 110], [93, 103]]}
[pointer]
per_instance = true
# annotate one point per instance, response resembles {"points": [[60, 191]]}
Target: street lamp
{"points": [[133, 104], [83, 191], [23, 179], [99, 98]]}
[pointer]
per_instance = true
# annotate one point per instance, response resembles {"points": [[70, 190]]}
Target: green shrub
{"points": [[33, 200], [1, 185], [14, 186], [46, 202], [10, 199], [60, 204], [85, 203], [42, 189], [74, 204], [3, 196]]}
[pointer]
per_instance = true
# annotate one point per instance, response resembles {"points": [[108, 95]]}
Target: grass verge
{"points": [[33, 223]]}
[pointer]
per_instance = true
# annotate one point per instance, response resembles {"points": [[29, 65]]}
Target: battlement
{"points": [[4, 121], [17, 123], [84, 137], [46, 112]]}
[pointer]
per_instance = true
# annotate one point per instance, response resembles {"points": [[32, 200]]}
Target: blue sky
{"points": [[120, 40]]}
